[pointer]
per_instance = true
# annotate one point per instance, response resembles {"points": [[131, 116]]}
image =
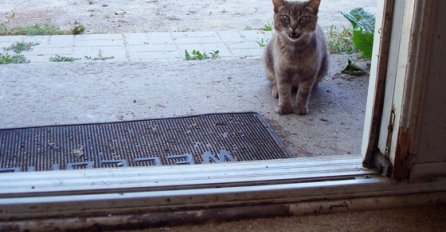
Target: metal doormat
{"points": [[211, 138]]}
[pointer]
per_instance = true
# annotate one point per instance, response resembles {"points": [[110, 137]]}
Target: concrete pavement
{"points": [[141, 47], [149, 78]]}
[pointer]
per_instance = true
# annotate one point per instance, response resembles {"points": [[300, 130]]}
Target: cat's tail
{"points": [[323, 70], [324, 65]]}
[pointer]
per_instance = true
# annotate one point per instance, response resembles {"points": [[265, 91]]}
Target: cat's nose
{"points": [[294, 35]]}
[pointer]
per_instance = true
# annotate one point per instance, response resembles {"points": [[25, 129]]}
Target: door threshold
{"points": [[141, 197]]}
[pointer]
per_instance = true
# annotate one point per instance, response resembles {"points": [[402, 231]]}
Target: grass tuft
{"points": [[41, 29], [19, 47], [197, 55], [6, 58], [59, 58], [262, 43], [77, 29], [99, 57], [267, 27], [340, 40]]}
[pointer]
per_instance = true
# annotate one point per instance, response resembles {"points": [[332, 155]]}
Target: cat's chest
{"points": [[296, 65], [294, 55], [296, 60]]}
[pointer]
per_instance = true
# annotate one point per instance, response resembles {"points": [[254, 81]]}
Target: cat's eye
{"points": [[285, 17], [304, 19]]}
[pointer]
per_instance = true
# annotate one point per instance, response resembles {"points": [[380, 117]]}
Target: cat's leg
{"points": [[272, 78], [274, 91], [284, 92], [303, 95], [269, 70]]}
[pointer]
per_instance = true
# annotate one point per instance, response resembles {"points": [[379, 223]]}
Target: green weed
{"points": [[340, 40], [267, 27], [262, 43], [41, 29], [197, 55], [19, 47], [77, 29], [36, 29], [363, 24], [6, 58], [99, 57], [353, 69], [59, 58]]}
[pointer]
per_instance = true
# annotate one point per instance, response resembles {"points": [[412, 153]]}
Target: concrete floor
{"points": [[65, 93]]}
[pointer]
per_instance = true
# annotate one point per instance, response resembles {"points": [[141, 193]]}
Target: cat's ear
{"points": [[315, 4], [277, 4]]}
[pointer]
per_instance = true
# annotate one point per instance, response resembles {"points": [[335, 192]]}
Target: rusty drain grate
{"points": [[198, 139]]}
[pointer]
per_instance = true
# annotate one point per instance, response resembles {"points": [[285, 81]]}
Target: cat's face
{"points": [[295, 20]]}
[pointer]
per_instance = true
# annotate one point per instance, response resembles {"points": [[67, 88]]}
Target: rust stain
{"points": [[403, 158]]}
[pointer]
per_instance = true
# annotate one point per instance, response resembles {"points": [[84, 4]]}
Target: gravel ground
{"points": [[103, 16]]}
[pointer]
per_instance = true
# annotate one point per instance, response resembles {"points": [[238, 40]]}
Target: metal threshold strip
{"points": [[109, 198], [142, 179]]}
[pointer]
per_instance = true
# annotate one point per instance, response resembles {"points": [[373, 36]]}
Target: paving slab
{"points": [[128, 47]]}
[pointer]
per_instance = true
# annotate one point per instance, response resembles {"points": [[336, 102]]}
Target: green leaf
{"points": [[215, 54], [361, 19], [353, 69], [267, 27], [363, 30], [187, 55], [5, 58], [197, 55], [363, 41]]}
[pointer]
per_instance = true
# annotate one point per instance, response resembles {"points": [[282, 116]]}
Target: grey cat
{"points": [[296, 56]]}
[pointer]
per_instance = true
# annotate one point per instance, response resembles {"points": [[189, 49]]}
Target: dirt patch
{"points": [[102, 16]]}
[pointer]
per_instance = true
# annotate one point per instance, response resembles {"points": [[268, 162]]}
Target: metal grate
{"points": [[169, 141]]}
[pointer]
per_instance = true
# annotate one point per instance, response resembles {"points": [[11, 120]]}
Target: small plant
{"points": [[267, 27], [339, 40], [6, 58], [99, 57], [78, 28], [19, 47], [262, 43], [353, 69], [58, 58], [41, 29], [215, 54], [197, 55], [363, 24], [36, 29]]}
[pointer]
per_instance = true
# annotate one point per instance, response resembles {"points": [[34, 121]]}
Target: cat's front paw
{"points": [[301, 110], [274, 92], [284, 109]]}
